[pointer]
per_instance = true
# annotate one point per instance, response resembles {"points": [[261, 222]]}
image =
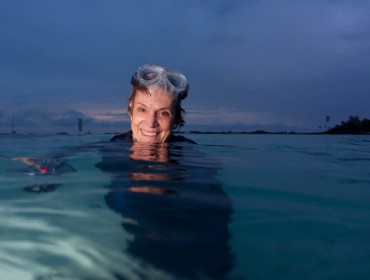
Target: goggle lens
{"points": [[150, 74], [177, 81]]}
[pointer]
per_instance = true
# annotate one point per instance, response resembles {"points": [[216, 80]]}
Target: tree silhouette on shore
{"points": [[352, 125]]}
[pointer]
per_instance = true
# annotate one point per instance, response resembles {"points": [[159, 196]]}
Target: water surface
{"points": [[232, 207]]}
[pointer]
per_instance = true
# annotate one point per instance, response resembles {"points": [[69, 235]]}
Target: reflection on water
{"points": [[173, 206]]}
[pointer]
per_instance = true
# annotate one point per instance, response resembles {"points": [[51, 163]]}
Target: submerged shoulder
{"points": [[127, 136], [180, 138]]}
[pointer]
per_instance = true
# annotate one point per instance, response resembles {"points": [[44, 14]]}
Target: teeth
{"points": [[148, 133]]}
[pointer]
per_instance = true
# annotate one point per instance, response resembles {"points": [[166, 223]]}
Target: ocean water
{"points": [[231, 207]]}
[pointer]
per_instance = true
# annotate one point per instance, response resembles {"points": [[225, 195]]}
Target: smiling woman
{"points": [[154, 105], [152, 116]]}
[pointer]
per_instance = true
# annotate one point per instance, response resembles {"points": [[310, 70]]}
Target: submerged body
{"points": [[178, 213]]}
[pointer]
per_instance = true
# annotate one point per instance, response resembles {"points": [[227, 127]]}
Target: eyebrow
{"points": [[160, 109]]}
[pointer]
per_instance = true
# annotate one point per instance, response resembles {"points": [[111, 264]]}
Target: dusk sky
{"points": [[274, 65]]}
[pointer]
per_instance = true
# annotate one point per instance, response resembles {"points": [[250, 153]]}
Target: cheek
{"points": [[168, 123], [135, 117], [135, 121]]}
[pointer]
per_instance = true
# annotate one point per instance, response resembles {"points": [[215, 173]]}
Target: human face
{"points": [[152, 116]]}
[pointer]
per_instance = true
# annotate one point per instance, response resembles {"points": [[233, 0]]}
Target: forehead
{"points": [[157, 99]]}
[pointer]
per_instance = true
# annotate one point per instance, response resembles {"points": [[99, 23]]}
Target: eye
{"points": [[165, 114], [140, 109]]}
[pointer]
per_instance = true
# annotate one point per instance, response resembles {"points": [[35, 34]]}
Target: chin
{"points": [[152, 141]]}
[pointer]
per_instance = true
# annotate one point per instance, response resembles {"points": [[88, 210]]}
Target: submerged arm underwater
{"points": [[54, 163]]}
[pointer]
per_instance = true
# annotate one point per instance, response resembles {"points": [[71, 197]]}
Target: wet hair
{"points": [[179, 111]]}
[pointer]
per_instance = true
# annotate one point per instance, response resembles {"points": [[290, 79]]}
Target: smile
{"points": [[149, 133]]}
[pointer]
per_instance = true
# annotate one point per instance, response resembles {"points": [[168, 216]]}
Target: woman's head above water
{"points": [[154, 105]]}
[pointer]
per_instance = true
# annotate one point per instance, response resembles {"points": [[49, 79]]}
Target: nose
{"points": [[152, 120]]}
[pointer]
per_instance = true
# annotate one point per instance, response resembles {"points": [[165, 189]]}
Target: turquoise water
{"points": [[245, 206]]}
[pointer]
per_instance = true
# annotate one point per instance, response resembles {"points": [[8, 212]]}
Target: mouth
{"points": [[149, 133]]}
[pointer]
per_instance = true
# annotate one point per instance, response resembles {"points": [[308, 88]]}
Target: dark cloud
{"points": [[287, 60]]}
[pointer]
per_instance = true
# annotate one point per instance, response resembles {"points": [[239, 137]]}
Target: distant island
{"points": [[239, 132], [352, 126]]}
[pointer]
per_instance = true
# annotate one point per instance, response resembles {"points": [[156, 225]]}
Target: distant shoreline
{"points": [[262, 132]]}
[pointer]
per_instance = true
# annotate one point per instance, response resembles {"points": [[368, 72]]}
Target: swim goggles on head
{"points": [[151, 74]]}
